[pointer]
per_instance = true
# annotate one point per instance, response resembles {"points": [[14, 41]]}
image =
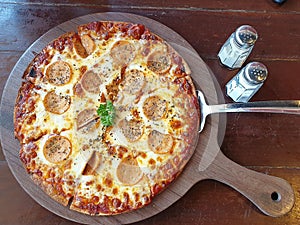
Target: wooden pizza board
{"points": [[207, 162]]}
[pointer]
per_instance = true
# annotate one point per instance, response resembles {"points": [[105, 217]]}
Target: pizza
{"points": [[107, 117]]}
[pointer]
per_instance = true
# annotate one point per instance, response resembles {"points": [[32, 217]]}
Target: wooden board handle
{"points": [[272, 195]]}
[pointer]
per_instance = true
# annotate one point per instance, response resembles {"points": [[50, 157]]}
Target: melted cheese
{"points": [[95, 137]]}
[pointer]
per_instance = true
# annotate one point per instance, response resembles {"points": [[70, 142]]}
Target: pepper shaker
{"points": [[247, 82], [238, 47]]}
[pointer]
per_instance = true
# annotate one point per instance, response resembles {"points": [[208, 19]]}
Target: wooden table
{"points": [[268, 143]]}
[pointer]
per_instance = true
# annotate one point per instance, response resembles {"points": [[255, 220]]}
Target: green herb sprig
{"points": [[107, 113]]}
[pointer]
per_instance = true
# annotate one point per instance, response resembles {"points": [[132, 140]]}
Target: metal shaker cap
{"points": [[246, 35], [256, 72]]}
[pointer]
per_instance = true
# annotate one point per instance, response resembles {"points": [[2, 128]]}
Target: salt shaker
{"points": [[238, 47], [247, 82], [280, 2]]}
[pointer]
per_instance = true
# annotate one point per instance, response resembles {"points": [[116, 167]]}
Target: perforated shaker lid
{"points": [[256, 72], [246, 35]]}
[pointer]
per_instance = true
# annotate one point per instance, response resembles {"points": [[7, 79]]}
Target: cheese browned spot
{"points": [[123, 52], [85, 117], [57, 149], [55, 103], [90, 81], [159, 62], [132, 129], [155, 107], [93, 163], [59, 73], [133, 82], [76, 159], [129, 172], [159, 142], [88, 44]]}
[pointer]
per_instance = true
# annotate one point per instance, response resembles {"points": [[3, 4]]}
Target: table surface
{"points": [[268, 143]]}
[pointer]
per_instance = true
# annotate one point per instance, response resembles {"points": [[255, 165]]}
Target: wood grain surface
{"points": [[263, 142], [200, 74]]}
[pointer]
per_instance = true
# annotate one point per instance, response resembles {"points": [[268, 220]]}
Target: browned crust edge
{"points": [[50, 190], [134, 30]]}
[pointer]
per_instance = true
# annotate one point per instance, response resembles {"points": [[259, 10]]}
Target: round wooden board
{"points": [[202, 78]]}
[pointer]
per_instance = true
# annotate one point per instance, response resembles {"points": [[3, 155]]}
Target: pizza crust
{"points": [[65, 148], [50, 190]]}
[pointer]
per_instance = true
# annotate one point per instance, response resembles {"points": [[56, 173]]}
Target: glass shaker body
{"points": [[247, 82], [238, 47]]}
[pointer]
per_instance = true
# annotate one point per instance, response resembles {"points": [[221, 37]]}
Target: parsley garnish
{"points": [[107, 113]]}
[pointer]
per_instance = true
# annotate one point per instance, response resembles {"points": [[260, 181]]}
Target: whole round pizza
{"points": [[106, 117]]}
